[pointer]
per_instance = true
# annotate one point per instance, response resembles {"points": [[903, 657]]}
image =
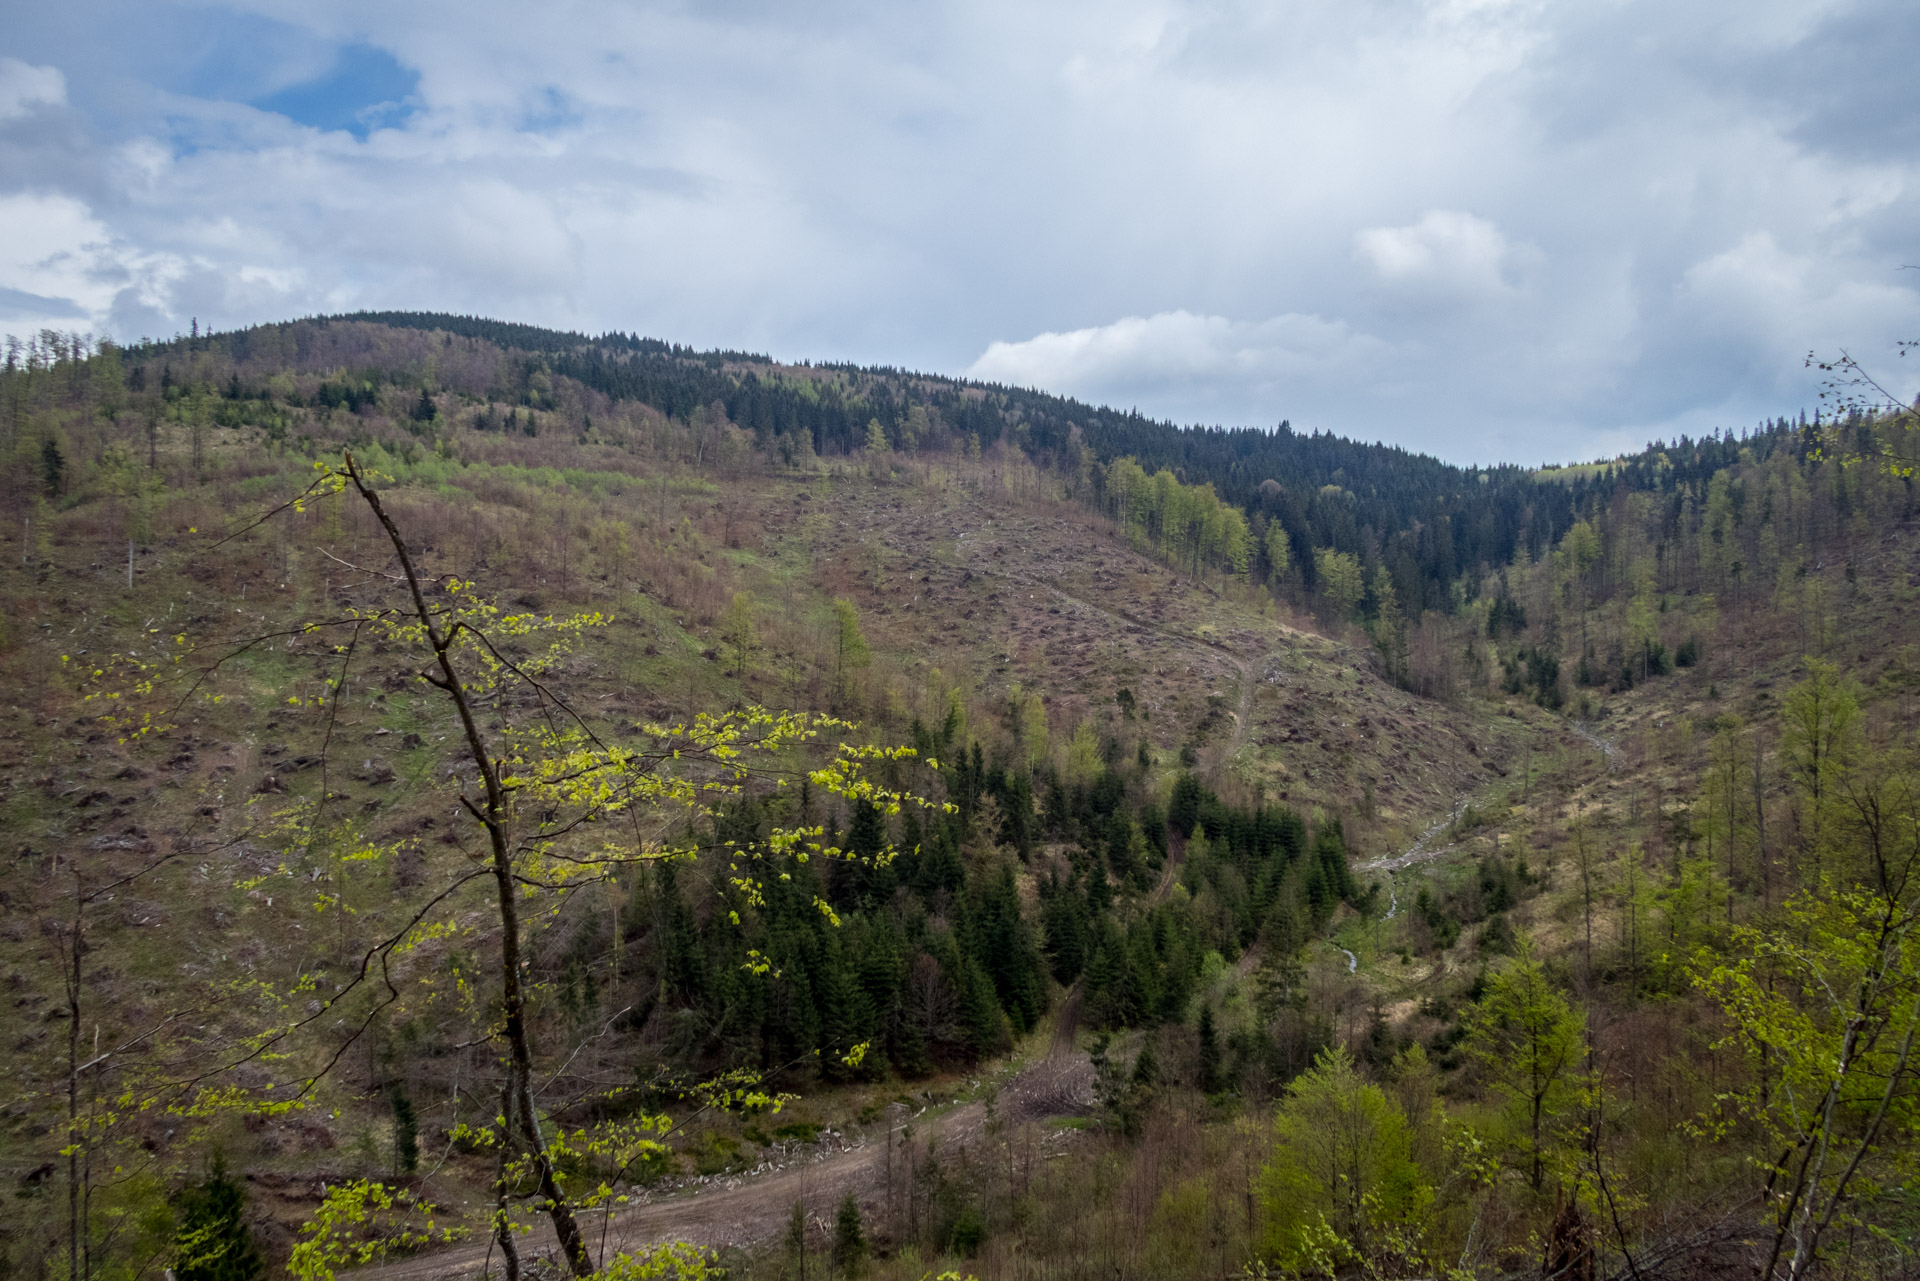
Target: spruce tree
{"points": [[214, 1242], [1063, 917], [864, 877], [980, 1019], [406, 1130], [53, 467], [849, 1238], [796, 1243], [1146, 1068], [1210, 1075]]}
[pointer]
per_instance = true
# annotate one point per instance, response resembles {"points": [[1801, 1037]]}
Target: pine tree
{"points": [[865, 877], [1002, 944], [847, 1016], [939, 870], [1146, 1068], [1105, 987], [1016, 816], [1099, 890], [683, 956], [1123, 847], [980, 1019]]}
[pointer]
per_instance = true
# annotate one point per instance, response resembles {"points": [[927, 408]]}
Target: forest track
{"points": [[1066, 1023], [749, 1209]]}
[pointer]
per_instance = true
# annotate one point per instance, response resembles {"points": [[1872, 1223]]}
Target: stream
{"points": [[1418, 852], [1606, 746]]}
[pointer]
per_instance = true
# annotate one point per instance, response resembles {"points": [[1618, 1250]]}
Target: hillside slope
{"points": [[1239, 799]]}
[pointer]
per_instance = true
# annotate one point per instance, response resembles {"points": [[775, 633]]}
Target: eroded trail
{"points": [[749, 1209]]}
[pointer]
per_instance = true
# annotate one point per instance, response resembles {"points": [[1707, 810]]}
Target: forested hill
{"points": [[1291, 793], [1427, 520]]}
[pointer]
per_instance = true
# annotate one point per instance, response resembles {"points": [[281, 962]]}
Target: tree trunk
{"points": [[520, 1110]]}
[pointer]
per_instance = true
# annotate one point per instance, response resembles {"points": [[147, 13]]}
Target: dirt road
{"points": [[751, 1208]]}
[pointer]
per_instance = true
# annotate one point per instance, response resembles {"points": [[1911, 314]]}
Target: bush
{"points": [[968, 1230]]}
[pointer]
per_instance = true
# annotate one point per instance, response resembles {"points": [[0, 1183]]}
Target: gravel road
{"points": [[751, 1208]]}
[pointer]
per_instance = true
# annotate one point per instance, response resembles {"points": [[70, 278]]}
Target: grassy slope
{"points": [[950, 571]]}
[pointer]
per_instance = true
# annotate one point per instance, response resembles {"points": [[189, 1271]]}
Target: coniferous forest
{"points": [[488, 800]]}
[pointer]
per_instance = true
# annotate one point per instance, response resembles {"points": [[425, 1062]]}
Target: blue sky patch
{"points": [[366, 89], [551, 111]]}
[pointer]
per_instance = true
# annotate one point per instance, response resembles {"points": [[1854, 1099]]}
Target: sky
{"points": [[1492, 230]]}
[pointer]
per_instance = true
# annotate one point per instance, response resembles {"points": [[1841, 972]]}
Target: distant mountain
{"points": [[1428, 521]]}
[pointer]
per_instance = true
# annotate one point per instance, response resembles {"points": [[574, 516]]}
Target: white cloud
{"points": [[1146, 353], [1455, 212], [24, 87], [63, 268], [1756, 288], [50, 249], [1447, 251]]}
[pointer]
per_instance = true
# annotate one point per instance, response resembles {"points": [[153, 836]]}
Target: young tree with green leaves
{"points": [[1279, 549], [1820, 742], [1824, 1002], [1341, 585], [1342, 1184], [738, 632], [557, 803], [850, 651], [1389, 626], [1528, 1039], [1579, 552]]}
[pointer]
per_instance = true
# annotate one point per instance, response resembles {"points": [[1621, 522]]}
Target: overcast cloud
{"points": [[1487, 229]]}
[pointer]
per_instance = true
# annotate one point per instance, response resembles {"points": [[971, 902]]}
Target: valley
{"points": [[469, 785]]}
